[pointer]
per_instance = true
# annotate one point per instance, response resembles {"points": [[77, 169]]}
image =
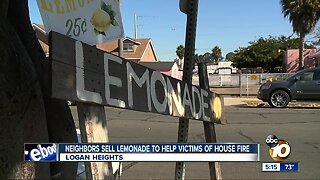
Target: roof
{"points": [[158, 65], [112, 46], [44, 46], [39, 28]]}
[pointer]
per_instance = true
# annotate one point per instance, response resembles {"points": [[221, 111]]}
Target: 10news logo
{"points": [[279, 148]]}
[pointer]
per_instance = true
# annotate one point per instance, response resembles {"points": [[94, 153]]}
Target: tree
{"points": [[229, 56], [216, 53], [180, 51], [303, 15], [27, 114], [264, 52], [206, 57]]}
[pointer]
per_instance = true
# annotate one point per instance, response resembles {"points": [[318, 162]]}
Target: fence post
{"points": [[240, 83], [247, 85]]}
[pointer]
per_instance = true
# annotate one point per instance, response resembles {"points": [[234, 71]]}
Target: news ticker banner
{"points": [[143, 152], [280, 167]]}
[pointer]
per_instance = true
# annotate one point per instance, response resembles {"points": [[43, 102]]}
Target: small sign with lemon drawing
{"points": [[90, 21]]}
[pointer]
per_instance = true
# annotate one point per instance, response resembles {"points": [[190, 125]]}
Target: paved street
{"points": [[300, 127]]}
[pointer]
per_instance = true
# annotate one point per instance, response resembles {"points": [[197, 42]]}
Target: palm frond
{"points": [[302, 14]]}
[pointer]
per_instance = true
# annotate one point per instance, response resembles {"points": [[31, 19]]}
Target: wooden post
{"points": [[93, 128], [209, 130], [192, 11]]}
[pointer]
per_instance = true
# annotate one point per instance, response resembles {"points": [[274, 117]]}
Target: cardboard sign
{"points": [[80, 72], [90, 21]]}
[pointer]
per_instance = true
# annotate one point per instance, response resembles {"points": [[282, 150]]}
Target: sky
{"points": [[229, 24]]}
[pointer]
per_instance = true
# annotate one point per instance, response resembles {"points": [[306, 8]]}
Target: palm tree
{"points": [[180, 53], [216, 53], [303, 15], [229, 56]]}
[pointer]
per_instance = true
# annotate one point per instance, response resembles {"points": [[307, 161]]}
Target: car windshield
{"points": [[281, 77]]}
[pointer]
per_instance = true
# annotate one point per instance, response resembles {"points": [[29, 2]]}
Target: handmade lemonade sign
{"points": [[90, 21], [80, 72]]}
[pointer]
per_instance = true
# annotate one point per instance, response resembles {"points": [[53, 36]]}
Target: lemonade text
{"points": [[63, 6]]}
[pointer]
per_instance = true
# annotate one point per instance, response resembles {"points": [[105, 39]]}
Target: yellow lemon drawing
{"points": [[100, 20], [217, 108]]}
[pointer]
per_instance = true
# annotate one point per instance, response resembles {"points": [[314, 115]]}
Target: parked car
{"points": [[304, 85]]}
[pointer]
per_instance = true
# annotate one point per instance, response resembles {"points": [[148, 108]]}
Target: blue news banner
{"points": [[144, 152]]}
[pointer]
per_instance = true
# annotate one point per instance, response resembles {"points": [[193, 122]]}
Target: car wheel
{"points": [[279, 99]]}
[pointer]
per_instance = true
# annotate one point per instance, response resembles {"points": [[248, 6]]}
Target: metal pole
{"points": [[192, 11]]}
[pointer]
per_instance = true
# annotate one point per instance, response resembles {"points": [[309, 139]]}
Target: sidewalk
{"points": [[233, 101], [254, 102], [250, 90]]}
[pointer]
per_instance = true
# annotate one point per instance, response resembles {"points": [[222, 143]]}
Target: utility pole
{"points": [[135, 27], [120, 41]]}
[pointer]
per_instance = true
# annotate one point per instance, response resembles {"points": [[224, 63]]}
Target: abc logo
{"points": [[279, 148]]}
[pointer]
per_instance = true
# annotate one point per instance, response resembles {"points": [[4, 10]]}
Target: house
{"points": [[133, 49], [168, 68], [226, 65], [222, 67], [291, 59], [137, 50]]}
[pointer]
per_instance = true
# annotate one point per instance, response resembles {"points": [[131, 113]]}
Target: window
{"points": [[128, 46], [307, 76], [311, 76], [316, 75]]}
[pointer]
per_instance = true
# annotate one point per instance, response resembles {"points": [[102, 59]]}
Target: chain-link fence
{"points": [[239, 84]]}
